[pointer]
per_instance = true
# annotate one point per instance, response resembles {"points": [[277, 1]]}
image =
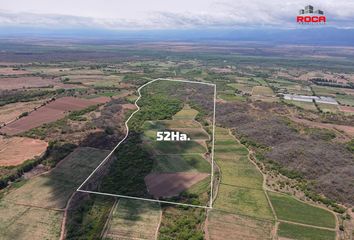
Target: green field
{"points": [[289, 209], [345, 99], [262, 91], [133, 219], [240, 189], [186, 113], [326, 91], [245, 88], [330, 108], [187, 147], [181, 163], [231, 97], [296, 232]]}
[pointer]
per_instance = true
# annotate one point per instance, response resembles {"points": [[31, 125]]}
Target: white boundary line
{"points": [[126, 135]]}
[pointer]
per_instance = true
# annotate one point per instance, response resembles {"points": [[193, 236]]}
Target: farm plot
{"points": [[52, 190], [25, 222], [262, 93], [290, 209], [49, 113], [288, 231], [12, 150], [240, 190], [245, 88], [11, 111], [133, 219], [166, 168], [12, 71], [11, 83], [177, 165], [305, 105], [165, 185], [222, 225], [328, 108]]}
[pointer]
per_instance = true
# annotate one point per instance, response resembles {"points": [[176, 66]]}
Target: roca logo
{"points": [[309, 16]]}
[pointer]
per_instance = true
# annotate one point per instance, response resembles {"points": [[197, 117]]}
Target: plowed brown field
{"points": [[16, 150], [171, 184], [50, 113]]}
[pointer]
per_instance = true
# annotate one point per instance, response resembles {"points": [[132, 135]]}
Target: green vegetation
{"points": [[289, 209], [25, 96], [86, 222], [181, 163], [126, 175], [187, 147], [240, 189], [350, 145], [154, 107], [134, 219], [180, 223], [77, 115], [297, 232]]}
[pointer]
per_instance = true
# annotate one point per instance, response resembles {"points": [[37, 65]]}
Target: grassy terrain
{"points": [[181, 163], [187, 147], [186, 113], [223, 225], [297, 232], [30, 208], [52, 190], [134, 219], [262, 91], [24, 222], [290, 209], [304, 105], [328, 108]]}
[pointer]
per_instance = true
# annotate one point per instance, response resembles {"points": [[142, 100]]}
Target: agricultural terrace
{"points": [[240, 189], [162, 169], [241, 204], [40, 201]]}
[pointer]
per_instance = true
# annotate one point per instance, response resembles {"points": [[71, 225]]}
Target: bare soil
{"points": [[11, 111], [171, 184], [16, 150], [23, 82]]}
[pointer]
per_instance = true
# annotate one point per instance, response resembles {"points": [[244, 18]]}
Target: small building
{"points": [[302, 11], [320, 12], [308, 9]]}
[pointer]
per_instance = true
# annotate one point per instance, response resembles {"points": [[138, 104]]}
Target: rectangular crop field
{"points": [[222, 225], [24, 222], [289, 209], [240, 190], [134, 219], [292, 231]]}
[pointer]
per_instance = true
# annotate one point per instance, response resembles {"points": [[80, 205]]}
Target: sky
{"points": [[168, 14]]}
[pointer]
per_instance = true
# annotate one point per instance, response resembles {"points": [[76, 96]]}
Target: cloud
{"points": [[215, 14]]}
